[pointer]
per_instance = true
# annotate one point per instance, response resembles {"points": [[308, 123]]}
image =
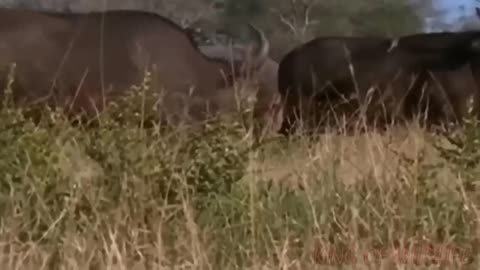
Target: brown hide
{"points": [[82, 60], [392, 78], [263, 85]]}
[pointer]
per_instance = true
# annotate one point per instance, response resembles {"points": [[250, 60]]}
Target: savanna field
{"points": [[121, 196], [119, 193]]}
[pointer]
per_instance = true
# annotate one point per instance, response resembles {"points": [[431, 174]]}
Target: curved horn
{"points": [[263, 45], [223, 52]]}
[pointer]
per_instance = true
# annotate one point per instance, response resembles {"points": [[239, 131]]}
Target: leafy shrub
{"points": [[66, 176], [125, 178]]}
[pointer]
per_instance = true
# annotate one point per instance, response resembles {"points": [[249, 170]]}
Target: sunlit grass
{"points": [[122, 197]]}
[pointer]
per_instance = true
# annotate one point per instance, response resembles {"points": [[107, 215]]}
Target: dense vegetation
{"points": [[121, 196], [124, 196]]}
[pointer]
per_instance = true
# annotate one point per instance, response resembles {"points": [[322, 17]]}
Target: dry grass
{"points": [[74, 198], [371, 153], [185, 244]]}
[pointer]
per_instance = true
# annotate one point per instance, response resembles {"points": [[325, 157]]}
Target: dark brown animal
{"points": [[261, 86], [82, 60], [380, 79]]}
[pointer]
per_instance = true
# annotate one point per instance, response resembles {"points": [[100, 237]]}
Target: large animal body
{"points": [[331, 81], [267, 109], [82, 60]]}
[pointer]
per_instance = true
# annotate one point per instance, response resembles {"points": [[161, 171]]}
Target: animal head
{"points": [[244, 59], [259, 80]]}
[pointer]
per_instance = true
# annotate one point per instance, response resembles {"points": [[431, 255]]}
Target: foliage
{"points": [[67, 182], [304, 20], [63, 181], [72, 174]]}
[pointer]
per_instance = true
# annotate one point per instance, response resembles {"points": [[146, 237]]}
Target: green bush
{"points": [[69, 175], [124, 181]]}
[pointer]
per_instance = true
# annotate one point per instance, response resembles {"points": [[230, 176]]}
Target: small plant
{"points": [[139, 170], [132, 188]]}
